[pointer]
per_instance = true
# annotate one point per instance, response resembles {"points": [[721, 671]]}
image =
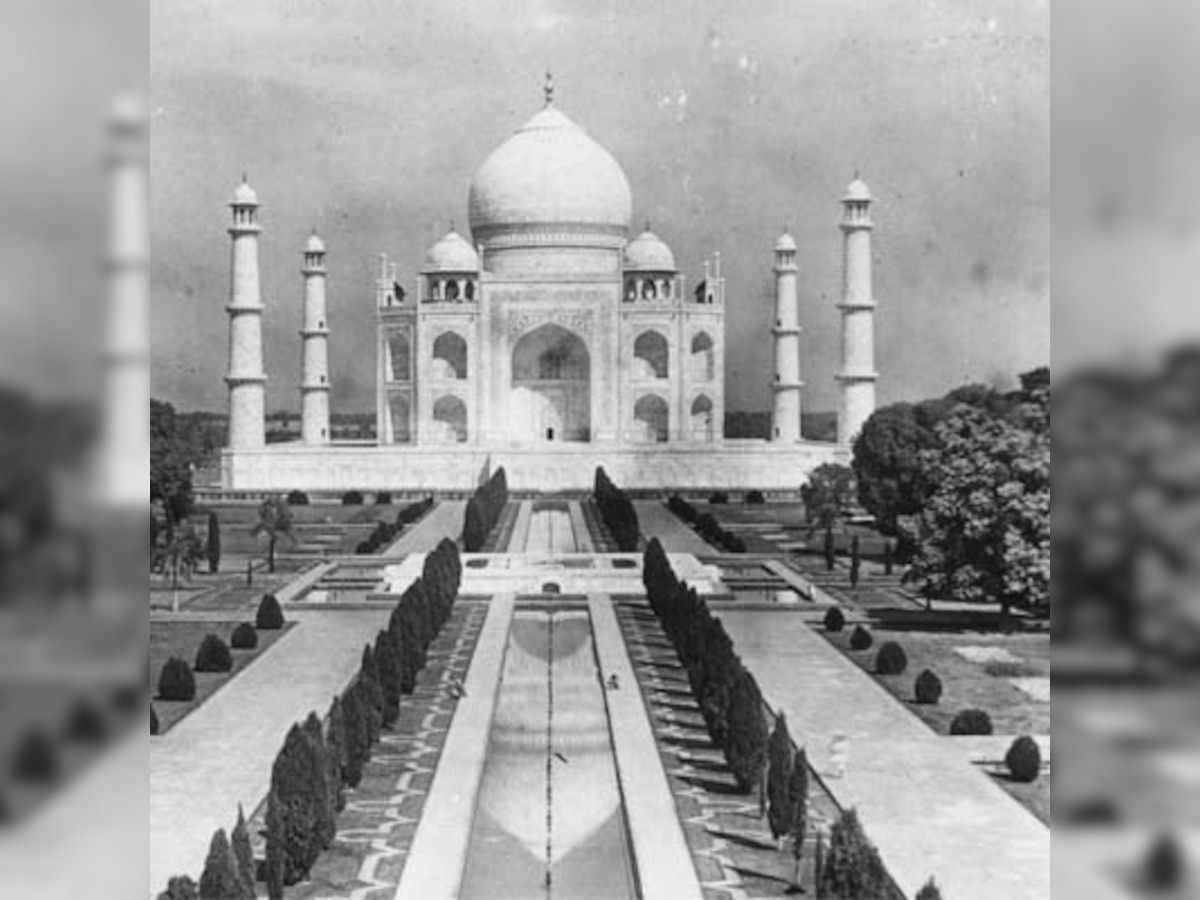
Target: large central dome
{"points": [[549, 176]]}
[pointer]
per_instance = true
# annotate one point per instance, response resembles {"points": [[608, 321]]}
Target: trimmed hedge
{"points": [[928, 688], [754, 498], [244, 637], [85, 724], [270, 615], [213, 655], [891, 660], [971, 722], [352, 498], [383, 498], [860, 638], [718, 498], [706, 525], [36, 760], [176, 681], [297, 498], [835, 619], [1024, 759]]}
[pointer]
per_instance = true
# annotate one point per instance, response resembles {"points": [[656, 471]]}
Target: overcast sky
{"points": [[367, 119]]}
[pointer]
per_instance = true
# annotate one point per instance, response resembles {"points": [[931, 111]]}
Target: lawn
{"points": [[182, 639], [1034, 796], [966, 684]]}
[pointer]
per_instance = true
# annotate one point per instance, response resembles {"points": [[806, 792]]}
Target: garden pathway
{"points": [[444, 520], [929, 811], [672, 532], [221, 754]]}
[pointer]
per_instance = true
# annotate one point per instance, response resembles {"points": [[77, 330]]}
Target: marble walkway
{"points": [[926, 807], [221, 754], [657, 521]]}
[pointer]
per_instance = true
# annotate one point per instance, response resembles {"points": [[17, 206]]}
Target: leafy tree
{"points": [[887, 464], [829, 491], [243, 853], [180, 888], [173, 452], [779, 777], [213, 548], [221, 879], [852, 869], [985, 528], [274, 521], [798, 794], [177, 556]]}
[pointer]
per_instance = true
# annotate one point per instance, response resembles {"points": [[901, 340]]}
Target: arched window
{"points": [[399, 408], [470, 291], [651, 355], [450, 356], [399, 357], [703, 358], [702, 418], [451, 289], [451, 415], [651, 415]]}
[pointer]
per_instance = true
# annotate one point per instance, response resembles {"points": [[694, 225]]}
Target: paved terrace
{"points": [[221, 754], [657, 521], [926, 807]]}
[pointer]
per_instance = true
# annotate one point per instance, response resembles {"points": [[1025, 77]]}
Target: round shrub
{"points": [[928, 688], [297, 498], [85, 724], [154, 726], [718, 498], [754, 498], [36, 759], [835, 619], [860, 639], [270, 615], [352, 498], [244, 637], [383, 498], [176, 681], [892, 660], [971, 722], [213, 655], [1024, 759]]}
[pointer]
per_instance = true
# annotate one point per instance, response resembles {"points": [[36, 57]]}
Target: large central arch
{"points": [[552, 387]]}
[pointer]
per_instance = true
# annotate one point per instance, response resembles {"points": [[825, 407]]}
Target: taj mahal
{"points": [[550, 338]]}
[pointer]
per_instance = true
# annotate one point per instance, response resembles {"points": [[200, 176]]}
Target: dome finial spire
{"points": [[548, 87]]}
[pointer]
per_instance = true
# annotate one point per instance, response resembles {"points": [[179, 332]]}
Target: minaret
{"points": [[858, 375], [314, 379], [787, 383], [125, 446], [246, 379]]}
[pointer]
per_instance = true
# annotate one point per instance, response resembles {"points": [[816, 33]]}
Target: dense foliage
{"points": [[616, 509], [1024, 759], [244, 637], [176, 681], [928, 687], [270, 615], [860, 638], [852, 868], [835, 619], [275, 523], [971, 722], [484, 510], [828, 494], [726, 692], [213, 655], [891, 659]]}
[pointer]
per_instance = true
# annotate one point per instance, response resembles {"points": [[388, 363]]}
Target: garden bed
{"points": [[183, 639]]}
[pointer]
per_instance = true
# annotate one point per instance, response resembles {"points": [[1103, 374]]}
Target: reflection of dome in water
{"points": [[549, 173]]}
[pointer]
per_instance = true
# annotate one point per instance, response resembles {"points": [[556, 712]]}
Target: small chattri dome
{"points": [[785, 243], [648, 253], [453, 253], [245, 195], [314, 244], [858, 190]]}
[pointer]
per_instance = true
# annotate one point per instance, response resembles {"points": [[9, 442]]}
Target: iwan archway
{"points": [[551, 381]]}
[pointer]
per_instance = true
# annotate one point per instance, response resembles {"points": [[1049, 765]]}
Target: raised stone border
{"points": [[660, 851], [439, 850]]}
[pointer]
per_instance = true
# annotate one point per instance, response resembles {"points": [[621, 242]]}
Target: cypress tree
{"points": [[371, 716], [798, 794], [300, 806], [368, 676], [779, 778], [276, 846], [357, 737], [388, 664], [243, 853], [829, 549], [221, 880], [337, 752], [852, 869], [214, 543], [747, 732], [475, 530], [318, 760], [855, 562]]}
